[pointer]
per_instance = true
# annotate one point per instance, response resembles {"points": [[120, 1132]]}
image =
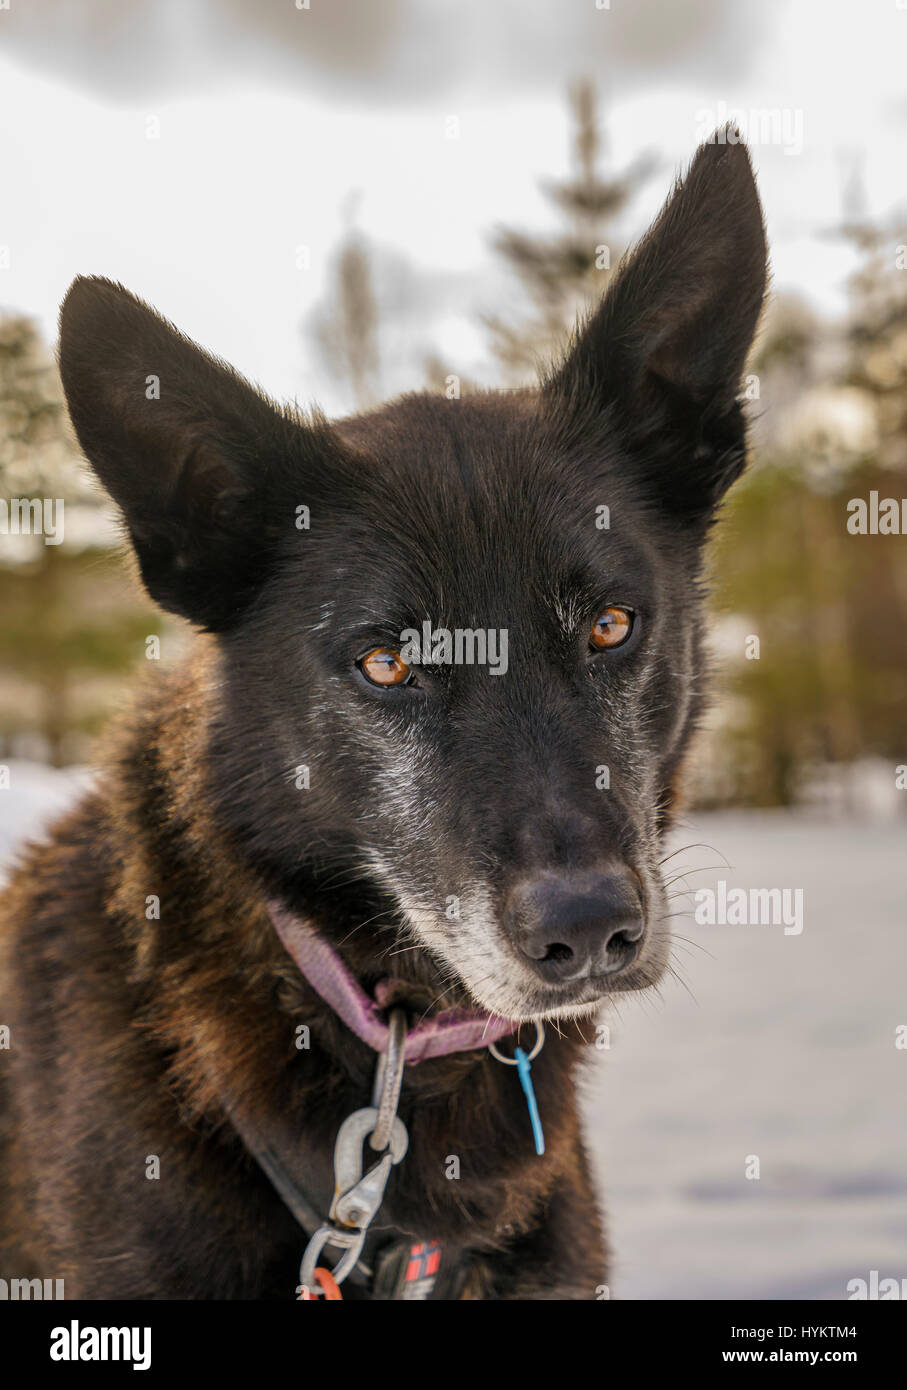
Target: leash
{"points": [[402, 1270], [358, 1195]]}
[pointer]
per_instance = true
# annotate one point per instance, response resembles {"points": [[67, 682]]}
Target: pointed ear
{"points": [[189, 451], [662, 358]]}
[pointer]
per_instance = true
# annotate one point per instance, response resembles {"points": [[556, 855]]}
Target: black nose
{"points": [[568, 927]]}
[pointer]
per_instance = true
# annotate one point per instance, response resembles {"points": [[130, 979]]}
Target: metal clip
{"points": [[358, 1195]]}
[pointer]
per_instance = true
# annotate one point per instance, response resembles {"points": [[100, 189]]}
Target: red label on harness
{"points": [[421, 1270]]}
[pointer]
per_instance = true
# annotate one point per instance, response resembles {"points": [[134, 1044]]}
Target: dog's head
{"points": [[461, 639]]}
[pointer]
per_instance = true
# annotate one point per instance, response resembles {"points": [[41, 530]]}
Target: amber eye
{"points": [[611, 629], [384, 667]]}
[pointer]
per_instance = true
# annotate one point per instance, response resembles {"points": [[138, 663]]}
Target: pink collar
{"points": [[456, 1030]]}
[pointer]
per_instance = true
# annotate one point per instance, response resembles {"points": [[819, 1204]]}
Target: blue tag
{"points": [[523, 1068]]}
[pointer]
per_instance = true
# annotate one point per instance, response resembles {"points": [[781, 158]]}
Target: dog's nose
{"points": [[569, 927]]}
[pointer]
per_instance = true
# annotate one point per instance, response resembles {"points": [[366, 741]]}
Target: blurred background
{"points": [[352, 199]]}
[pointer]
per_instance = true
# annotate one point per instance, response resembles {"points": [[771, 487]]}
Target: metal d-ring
{"points": [[512, 1061]]}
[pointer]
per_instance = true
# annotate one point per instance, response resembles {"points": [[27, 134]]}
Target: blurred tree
{"points": [[69, 623], [876, 335], [830, 686], [565, 274], [345, 325]]}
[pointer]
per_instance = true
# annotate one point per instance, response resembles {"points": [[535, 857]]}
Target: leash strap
{"points": [[287, 1188]]}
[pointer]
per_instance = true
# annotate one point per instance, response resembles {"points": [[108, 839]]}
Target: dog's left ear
{"points": [[663, 355]]}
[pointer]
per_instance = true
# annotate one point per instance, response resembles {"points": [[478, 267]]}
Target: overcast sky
{"points": [[269, 116]]}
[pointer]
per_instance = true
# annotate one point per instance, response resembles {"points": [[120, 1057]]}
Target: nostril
{"points": [[558, 953], [622, 946], [545, 952]]}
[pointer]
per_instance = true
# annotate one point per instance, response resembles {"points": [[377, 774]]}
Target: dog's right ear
{"points": [[191, 453]]}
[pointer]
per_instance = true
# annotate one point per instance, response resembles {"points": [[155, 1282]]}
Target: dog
{"points": [[413, 778]]}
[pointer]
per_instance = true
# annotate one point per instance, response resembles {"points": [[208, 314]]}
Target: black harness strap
{"points": [[287, 1188], [404, 1270]]}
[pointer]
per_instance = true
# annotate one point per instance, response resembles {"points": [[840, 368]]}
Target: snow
{"points": [[780, 1047], [784, 1048], [35, 796]]}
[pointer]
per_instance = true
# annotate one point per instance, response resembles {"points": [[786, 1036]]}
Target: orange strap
{"points": [[329, 1287]]}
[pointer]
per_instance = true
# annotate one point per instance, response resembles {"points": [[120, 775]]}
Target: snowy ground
{"points": [[783, 1049], [35, 795], [786, 1050]]}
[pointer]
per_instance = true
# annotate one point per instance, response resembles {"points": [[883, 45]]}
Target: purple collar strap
{"points": [[455, 1030]]}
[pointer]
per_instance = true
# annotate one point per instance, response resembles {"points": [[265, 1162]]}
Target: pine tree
{"points": [[565, 274], [70, 625]]}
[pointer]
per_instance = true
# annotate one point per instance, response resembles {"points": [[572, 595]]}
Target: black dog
{"points": [[453, 663]]}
